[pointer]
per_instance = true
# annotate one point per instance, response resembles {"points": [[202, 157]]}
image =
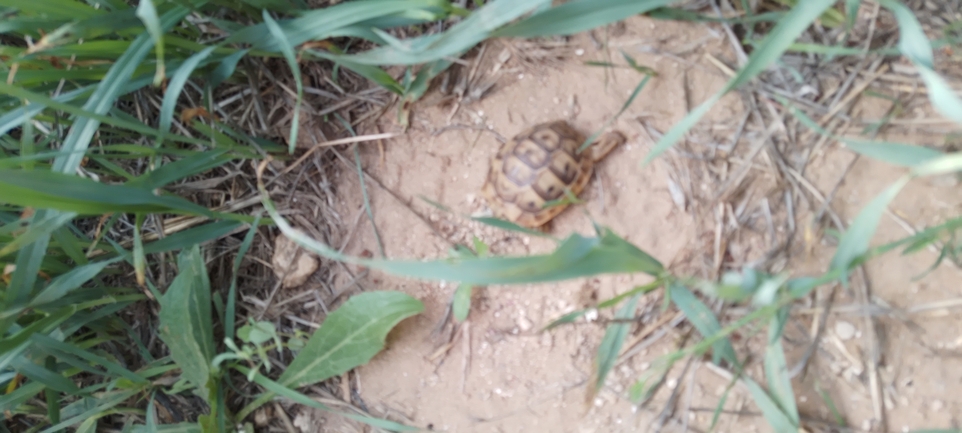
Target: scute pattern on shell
{"points": [[535, 167]]}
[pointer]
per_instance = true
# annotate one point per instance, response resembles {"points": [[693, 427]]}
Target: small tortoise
{"points": [[536, 166]]}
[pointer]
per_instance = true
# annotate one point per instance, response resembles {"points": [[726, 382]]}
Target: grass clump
{"points": [[116, 116]]}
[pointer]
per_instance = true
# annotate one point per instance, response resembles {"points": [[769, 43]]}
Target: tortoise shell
{"points": [[537, 166]]}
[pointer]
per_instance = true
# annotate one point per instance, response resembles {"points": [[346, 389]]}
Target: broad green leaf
{"points": [[186, 321], [771, 49], [349, 336], [52, 190]]}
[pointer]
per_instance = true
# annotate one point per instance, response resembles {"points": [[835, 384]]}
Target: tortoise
{"points": [[537, 166]]}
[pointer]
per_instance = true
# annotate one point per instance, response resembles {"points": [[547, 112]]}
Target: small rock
{"points": [[303, 422], [937, 405], [844, 330], [524, 324], [292, 263]]}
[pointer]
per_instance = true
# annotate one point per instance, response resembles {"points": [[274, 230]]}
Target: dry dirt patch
{"points": [[497, 373]]}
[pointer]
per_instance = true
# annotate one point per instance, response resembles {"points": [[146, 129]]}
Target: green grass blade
{"points": [[39, 102], [461, 37], [176, 85], [577, 16], [510, 226], [186, 321], [288, 51], [916, 47], [71, 245], [772, 413], [48, 378], [702, 318], [945, 164], [148, 14], [64, 284], [854, 243], [905, 155], [64, 350], [102, 403], [281, 390], [43, 226], [320, 24], [192, 236], [139, 258], [21, 395], [183, 168], [184, 427], [772, 47], [107, 92], [28, 264], [776, 368], [51, 190], [349, 337], [56, 9], [611, 343], [230, 310], [51, 395], [577, 256], [14, 343]]}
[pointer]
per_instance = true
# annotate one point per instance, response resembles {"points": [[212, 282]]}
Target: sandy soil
{"points": [[501, 375]]}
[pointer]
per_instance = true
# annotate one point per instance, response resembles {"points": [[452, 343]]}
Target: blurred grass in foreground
{"points": [[78, 164]]}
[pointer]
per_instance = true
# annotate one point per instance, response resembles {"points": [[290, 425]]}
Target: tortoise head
{"points": [[605, 144]]}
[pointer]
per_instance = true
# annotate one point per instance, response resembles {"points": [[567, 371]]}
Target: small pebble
{"points": [[844, 330], [937, 405], [524, 324], [579, 52]]}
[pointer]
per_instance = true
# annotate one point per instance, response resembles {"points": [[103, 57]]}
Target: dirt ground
{"points": [[499, 374]]}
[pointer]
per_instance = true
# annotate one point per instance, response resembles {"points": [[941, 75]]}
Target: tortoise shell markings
{"points": [[535, 167]]}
